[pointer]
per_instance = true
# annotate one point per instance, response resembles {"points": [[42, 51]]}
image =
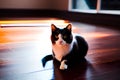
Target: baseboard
{"points": [[98, 19]]}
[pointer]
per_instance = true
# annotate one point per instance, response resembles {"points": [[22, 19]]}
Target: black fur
{"points": [[46, 58], [78, 51]]}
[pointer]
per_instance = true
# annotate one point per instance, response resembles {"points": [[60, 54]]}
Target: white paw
{"points": [[63, 66]]}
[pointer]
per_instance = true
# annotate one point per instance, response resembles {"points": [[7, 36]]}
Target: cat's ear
{"points": [[69, 27], [53, 27]]}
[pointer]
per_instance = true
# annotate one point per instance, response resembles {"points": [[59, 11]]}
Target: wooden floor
{"points": [[22, 48]]}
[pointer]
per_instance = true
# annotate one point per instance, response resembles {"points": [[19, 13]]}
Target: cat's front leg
{"points": [[63, 66]]}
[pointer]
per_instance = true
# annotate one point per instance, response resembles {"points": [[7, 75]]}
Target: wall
{"points": [[34, 4]]}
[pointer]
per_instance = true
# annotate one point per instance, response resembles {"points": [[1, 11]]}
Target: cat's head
{"points": [[61, 36]]}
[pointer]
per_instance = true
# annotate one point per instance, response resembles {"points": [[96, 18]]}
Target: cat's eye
{"points": [[56, 36], [64, 36]]}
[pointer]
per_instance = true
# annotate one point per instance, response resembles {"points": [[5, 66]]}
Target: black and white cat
{"points": [[66, 47]]}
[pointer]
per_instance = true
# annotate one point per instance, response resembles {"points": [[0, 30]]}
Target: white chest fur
{"points": [[61, 50]]}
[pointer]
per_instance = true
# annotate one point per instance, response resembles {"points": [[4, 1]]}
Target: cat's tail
{"points": [[46, 59]]}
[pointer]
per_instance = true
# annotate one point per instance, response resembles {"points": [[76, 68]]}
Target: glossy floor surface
{"points": [[22, 48]]}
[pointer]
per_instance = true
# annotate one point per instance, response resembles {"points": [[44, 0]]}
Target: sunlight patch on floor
{"points": [[31, 22]]}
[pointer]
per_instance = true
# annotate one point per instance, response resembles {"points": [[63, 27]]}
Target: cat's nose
{"points": [[61, 42]]}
